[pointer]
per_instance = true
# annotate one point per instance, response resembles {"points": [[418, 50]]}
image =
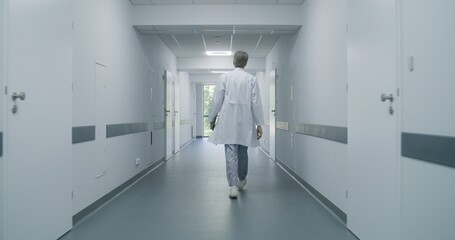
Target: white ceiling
{"points": [[148, 2], [194, 41]]}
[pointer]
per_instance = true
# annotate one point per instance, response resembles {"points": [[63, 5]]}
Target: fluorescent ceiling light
{"points": [[218, 53], [219, 72]]}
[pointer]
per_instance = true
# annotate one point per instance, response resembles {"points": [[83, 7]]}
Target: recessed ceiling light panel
{"points": [[218, 72], [218, 53]]}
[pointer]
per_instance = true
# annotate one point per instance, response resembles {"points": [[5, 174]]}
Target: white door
{"points": [[151, 117], [2, 107], [373, 132], [272, 77], [177, 114], [169, 79], [38, 136]]}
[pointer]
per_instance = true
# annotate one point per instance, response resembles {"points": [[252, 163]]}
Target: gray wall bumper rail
{"points": [[430, 148], [1, 144], [114, 130], [83, 134], [333, 133]]}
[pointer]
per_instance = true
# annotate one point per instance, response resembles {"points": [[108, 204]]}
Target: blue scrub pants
{"points": [[236, 163]]}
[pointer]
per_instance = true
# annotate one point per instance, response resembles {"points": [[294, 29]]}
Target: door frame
{"points": [[168, 113], [272, 112], [176, 113]]}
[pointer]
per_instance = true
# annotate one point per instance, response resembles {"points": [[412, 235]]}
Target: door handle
{"points": [[20, 95], [14, 97], [385, 97]]}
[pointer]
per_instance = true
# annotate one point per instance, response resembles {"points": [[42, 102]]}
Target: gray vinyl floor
{"points": [[187, 198]]}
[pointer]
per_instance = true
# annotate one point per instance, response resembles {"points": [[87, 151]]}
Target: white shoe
{"points": [[241, 184], [233, 192]]}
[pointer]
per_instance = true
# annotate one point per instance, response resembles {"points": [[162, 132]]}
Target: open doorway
{"points": [[207, 95]]}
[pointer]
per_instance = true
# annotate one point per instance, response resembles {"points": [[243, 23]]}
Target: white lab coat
{"points": [[237, 102]]}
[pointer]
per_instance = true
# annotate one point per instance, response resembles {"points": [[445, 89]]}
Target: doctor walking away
{"points": [[237, 103]]}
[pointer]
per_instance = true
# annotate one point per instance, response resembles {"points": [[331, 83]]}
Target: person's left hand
{"points": [[212, 125]]}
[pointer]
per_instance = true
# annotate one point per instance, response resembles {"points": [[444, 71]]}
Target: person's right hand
{"points": [[212, 125], [259, 132]]}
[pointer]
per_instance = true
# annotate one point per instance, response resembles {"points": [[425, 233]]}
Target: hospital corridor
{"points": [[272, 206], [106, 118]]}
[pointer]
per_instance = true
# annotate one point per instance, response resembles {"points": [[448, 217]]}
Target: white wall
{"points": [[187, 108], [103, 34], [311, 89], [428, 98], [320, 80], [205, 78]]}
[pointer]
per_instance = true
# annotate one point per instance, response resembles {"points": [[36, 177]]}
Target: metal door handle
{"points": [[15, 96], [273, 111], [20, 95], [385, 97]]}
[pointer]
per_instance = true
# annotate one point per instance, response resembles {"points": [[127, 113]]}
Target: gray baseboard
{"points": [[326, 202], [109, 196], [187, 143], [264, 151]]}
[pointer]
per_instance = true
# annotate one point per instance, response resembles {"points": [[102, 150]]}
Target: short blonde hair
{"points": [[240, 59]]}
